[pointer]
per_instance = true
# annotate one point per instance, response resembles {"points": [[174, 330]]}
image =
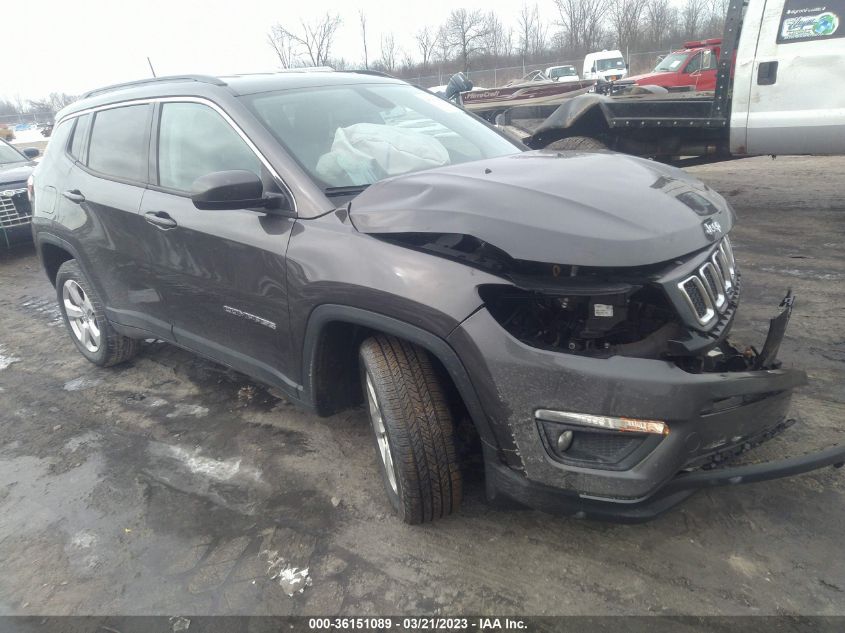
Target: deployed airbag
{"points": [[367, 152]]}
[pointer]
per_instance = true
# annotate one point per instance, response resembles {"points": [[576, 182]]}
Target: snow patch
{"points": [[83, 540], [188, 409], [292, 580], [5, 360], [78, 384], [219, 469], [86, 439]]}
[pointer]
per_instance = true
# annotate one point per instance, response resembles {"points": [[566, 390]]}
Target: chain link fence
{"points": [[27, 119], [638, 63]]}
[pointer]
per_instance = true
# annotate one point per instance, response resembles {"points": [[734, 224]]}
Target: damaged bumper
{"points": [[504, 481], [689, 423]]}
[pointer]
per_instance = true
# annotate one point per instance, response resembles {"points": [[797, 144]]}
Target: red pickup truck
{"points": [[694, 65]]}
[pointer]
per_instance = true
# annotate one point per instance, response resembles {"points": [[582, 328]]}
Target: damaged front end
{"points": [[676, 402], [680, 311], [602, 352]]}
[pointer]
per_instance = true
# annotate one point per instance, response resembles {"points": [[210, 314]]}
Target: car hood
{"points": [[648, 77], [588, 209], [15, 172]]}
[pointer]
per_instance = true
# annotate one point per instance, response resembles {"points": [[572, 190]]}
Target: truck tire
{"points": [[412, 428], [85, 319], [578, 143]]}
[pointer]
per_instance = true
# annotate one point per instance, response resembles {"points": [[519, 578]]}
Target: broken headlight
{"points": [[601, 320]]}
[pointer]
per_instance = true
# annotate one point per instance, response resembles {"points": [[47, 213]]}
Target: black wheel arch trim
{"points": [[325, 314], [42, 237]]}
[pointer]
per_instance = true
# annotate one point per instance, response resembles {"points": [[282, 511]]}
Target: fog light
{"points": [[631, 425], [564, 441]]}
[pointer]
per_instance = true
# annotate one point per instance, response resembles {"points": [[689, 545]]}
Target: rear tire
{"points": [[413, 429], [578, 143], [85, 318]]}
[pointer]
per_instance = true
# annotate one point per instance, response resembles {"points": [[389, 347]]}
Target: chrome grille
{"points": [[9, 215], [710, 289]]}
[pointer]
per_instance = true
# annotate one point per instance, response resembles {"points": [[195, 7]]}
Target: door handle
{"points": [[74, 196], [160, 219], [767, 73]]}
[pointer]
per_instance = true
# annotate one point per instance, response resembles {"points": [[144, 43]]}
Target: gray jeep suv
{"points": [[348, 238]]}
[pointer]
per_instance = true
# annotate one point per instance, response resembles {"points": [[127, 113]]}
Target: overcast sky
{"points": [[63, 46]]}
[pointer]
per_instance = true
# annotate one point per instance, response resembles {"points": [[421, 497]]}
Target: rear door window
{"points": [[80, 133], [119, 142], [193, 141]]}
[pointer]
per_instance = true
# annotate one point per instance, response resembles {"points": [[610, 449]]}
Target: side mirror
{"points": [[235, 189], [593, 70], [31, 152]]}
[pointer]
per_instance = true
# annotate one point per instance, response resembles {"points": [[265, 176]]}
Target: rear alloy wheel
{"points": [[80, 316], [86, 321], [413, 429]]}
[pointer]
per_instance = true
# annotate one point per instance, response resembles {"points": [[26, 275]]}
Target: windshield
{"points": [[616, 63], [9, 154], [670, 63], [355, 135], [563, 71]]}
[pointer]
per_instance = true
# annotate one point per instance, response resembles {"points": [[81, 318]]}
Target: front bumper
{"points": [[710, 415], [502, 481]]}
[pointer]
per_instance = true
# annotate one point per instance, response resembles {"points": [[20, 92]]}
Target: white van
{"points": [[563, 74], [607, 65]]}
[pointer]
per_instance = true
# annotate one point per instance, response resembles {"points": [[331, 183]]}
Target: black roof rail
{"points": [[362, 71], [207, 79]]}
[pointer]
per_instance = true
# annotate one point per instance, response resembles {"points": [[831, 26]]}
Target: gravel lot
{"points": [[172, 485]]}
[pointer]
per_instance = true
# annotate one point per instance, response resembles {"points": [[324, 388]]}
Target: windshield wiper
{"points": [[348, 190]]}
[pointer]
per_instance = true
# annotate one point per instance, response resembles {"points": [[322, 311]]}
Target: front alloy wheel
{"points": [[412, 428], [381, 435]]}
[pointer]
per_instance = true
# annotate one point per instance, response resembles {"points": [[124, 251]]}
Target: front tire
{"points": [[413, 429], [85, 318]]}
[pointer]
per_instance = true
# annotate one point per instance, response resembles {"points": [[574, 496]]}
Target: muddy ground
{"points": [[172, 485]]}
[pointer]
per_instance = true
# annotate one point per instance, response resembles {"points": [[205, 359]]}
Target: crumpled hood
{"points": [[587, 209], [15, 172]]}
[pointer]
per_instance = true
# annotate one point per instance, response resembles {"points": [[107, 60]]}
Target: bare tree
{"points": [[315, 38], [494, 36], [528, 23], [407, 61], [692, 17], [427, 41], [465, 31], [363, 19], [714, 23], [626, 17], [283, 45], [52, 103], [7, 107], [659, 16], [581, 21], [388, 53]]}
